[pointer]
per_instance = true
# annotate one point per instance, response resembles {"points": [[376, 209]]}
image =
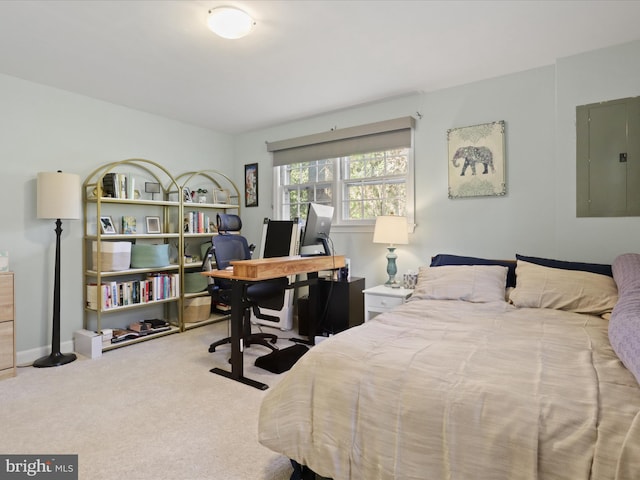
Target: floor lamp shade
{"points": [[59, 195], [58, 198], [392, 230]]}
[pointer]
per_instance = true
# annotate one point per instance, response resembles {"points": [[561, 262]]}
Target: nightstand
{"points": [[382, 299]]}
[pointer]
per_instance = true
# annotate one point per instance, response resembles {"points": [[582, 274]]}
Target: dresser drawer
{"points": [[6, 345], [6, 297]]}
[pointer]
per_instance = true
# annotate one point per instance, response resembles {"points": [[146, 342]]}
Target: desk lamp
{"points": [[58, 197], [393, 230]]}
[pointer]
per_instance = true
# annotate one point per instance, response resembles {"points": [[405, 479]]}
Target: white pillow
{"points": [[472, 283], [559, 289]]}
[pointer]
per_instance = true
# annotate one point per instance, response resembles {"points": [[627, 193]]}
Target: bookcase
{"points": [[205, 194], [143, 235]]}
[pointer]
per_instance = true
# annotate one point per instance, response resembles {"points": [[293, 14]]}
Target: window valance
{"points": [[379, 136]]}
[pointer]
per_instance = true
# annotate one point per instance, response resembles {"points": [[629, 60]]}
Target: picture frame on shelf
{"points": [[186, 195], [152, 188], [220, 196], [251, 185], [153, 224], [107, 226], [128, 224]]}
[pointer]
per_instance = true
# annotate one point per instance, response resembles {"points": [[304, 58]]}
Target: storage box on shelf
{"points": [[143, 231]]}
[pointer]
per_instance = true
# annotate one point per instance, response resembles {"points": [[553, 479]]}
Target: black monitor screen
{"points": [[278, 238]]}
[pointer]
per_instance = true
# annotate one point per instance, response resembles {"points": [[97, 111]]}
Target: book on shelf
{"points": [[138, 329], [223, 307], [118, 185], [121, 334], [196, 222], [157, 286]]}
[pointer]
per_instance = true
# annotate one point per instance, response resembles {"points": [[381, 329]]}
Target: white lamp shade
{"points": [[229, 22], [391, 229], [59, 195]]}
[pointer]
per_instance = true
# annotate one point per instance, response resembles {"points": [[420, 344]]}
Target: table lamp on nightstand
{"points": [[393, 230]]}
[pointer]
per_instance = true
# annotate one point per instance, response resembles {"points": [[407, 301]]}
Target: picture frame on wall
{"points": [[476, 160], [251, 185]]}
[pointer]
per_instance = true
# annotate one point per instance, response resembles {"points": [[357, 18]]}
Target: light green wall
{"points": [[45, 129], [537, 216]]}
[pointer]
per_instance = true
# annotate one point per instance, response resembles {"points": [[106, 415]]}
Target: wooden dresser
{"points": [[7, 327]]}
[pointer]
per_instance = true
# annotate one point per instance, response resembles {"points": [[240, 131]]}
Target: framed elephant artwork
{"points": [[476, 160]]}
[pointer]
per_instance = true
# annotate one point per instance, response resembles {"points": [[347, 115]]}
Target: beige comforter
{"points": [[453, 390]]}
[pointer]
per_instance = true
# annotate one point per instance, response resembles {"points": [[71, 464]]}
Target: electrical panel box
{"points": [[608, 158]]}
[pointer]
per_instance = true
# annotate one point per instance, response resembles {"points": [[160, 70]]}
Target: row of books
{"points": [[157, 286], [118, 185], [196, 222]]}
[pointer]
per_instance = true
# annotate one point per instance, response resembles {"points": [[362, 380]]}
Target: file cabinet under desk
{"points": [[346, 303], [7, 326]]}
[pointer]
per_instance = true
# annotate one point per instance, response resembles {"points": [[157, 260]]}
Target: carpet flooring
{"points": [[147, 411]]}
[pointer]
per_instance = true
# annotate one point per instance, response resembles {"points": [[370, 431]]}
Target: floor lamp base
{"points": [[55, 360]]}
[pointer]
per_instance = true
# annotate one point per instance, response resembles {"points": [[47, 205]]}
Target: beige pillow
{"points": [[559, 289], [472, 283]]}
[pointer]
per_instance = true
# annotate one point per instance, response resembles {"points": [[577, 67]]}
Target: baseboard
{"points": [[27, 357]]}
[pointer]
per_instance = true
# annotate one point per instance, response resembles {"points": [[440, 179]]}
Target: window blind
{"points": [[385, 135]]}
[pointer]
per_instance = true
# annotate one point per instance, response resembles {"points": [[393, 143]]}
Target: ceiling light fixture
{"points": [[230, 22]]}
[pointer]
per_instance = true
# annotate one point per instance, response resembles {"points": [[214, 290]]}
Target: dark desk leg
{"points": [[237, 321], [314, 314]]}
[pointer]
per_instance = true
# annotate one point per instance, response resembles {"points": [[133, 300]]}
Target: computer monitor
{"points": [[317, 229]]}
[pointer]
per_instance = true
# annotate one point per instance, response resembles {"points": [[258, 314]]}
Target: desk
{"points": [[248, 271]]}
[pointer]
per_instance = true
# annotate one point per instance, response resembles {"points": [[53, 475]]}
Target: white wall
{"points": [[537, 216], [44, 129]]}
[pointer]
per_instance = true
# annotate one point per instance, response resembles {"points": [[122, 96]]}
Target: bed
{"points": [[472, 380]]}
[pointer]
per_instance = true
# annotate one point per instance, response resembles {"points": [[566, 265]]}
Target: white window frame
{"points": [[338, 183]]}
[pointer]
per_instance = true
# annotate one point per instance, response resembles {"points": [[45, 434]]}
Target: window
{"points": [[359, 185]]}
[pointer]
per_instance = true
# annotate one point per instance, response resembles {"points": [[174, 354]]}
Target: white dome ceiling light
{"points": [[230, 22]]}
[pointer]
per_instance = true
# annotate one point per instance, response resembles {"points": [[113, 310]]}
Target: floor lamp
{"points": [[58, 197], [393, 230]]}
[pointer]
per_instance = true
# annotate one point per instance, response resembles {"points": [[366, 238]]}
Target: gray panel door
{"points": [[608, 167]]}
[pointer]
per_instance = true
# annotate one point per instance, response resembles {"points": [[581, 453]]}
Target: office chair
{"points": [[226, 247]]}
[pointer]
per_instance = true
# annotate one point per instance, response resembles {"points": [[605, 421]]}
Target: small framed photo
{"points": [[153, 225], [107, 226], [220, 196], [186, 195]]}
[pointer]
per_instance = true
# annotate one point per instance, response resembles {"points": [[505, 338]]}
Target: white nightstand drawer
{"points": [[384, 302], [382, 299]]}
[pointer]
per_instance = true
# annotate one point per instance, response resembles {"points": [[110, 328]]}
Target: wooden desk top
{"points": [[267, 268]]}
